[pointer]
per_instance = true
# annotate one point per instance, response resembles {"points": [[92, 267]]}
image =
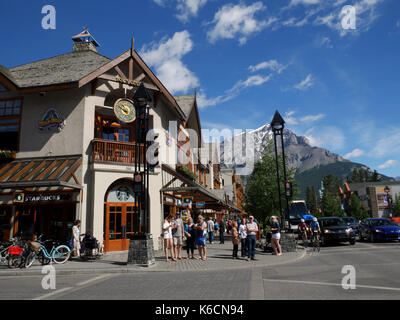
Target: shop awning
{"points": [[42, 172], [192, 188]]}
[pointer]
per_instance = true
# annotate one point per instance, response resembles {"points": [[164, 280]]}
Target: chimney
{"points": [[84, 42]]}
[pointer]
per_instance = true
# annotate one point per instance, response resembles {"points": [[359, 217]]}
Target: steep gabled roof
{"points": [[186, 103], [66, 68]]}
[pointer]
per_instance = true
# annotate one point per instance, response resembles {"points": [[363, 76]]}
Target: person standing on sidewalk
{"points": [[243, 239], [201, 237], [221, 232], [252, 229], [276, 236], [76, 238], [178, 235], [167, 234], [190, 238], [235, 240], [210, 228]]}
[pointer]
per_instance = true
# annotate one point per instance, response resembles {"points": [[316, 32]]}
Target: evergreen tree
{"points": [[396, 207], [355, 208], [331, 204], [261, 196]]}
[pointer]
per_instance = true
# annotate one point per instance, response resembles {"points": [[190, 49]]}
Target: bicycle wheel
{"points": [[30, 259], [42, 259], [61, 254]]}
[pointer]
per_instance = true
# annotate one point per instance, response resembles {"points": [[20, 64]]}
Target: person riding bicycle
{"points": [[315, 228], [303, 229]]}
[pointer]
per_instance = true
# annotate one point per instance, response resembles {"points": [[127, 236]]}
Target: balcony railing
{"points": [[113, 151]]}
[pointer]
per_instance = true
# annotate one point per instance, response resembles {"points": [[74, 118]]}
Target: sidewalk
{"points": [[218, 257]]}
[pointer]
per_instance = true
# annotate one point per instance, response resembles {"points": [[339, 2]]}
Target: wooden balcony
{"points": [[108, 151]]}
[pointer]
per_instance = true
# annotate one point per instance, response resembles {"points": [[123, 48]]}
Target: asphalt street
{"points": [[317, 276]]}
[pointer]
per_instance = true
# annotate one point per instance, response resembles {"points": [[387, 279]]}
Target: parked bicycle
{"points": [[4, 253], [58, 253]]}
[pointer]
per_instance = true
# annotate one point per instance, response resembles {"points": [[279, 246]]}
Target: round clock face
{"points": [[125, 110]]}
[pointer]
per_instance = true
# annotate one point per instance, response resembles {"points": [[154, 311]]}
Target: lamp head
{"points": [[277, 122]]}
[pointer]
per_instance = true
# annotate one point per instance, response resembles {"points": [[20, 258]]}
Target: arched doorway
{"points": [[121, 216]]}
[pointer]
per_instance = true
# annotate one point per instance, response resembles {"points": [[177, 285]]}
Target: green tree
{"points": [[262, 200], [331, 204], [396, 206], [331, 183], [312, 200], [355, 209]]}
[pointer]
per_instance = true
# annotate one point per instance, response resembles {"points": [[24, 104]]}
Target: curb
{"points": [[136, 269]]}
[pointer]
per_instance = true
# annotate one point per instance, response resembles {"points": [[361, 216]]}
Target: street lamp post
{"points": [[142, 99], [277, 125]]}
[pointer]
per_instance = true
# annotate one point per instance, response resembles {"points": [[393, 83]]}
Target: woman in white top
{"points": [[167, 233]]}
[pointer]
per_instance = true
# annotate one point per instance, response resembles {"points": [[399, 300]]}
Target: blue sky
{"points": [[338, 87]]}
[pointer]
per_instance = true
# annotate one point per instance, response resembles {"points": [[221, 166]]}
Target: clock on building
{"points": [[125, 110]]}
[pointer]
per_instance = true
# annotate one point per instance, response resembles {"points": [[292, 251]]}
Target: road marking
{"points": [[92, 280], [77, 287], [52, 293], [332, 284]]}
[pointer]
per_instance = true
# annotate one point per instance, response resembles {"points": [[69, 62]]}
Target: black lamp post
{"points": [[277, 125], [142, 99]]}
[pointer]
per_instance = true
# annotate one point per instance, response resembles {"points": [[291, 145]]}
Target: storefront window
{"points": [[10, 113]]}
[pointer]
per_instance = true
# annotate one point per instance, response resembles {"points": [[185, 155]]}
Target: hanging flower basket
{"points": [[186, 172], [8, 154]]}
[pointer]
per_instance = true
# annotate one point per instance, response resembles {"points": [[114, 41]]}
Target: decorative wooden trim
{"points": [[120, 73], [23, 171], [7, 83], [58, 170], [10, 172], [71, 171], [131, 68], [36, 170], [51, 166]]}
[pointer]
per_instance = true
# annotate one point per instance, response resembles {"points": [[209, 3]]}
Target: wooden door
{"points": [[5, 222], [119, 224]]}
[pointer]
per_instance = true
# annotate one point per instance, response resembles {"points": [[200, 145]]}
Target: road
{"points": [[318, 276]]}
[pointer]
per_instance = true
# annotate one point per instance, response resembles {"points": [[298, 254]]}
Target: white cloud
{"points": [[189, 8], [272, 65], [306, 2], [252, 81], [237, 20], [325, 42], [387, 142], [389, 164], [308, 82], [292, 120], [331, 138], [354, 154], [166, 56], [186, 8]]}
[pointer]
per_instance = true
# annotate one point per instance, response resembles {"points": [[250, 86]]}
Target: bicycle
{"points": [[4, 252], [316, 241], [58, 254], [303, 237]]}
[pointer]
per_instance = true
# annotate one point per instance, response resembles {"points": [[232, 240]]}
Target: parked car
{"points": [[353, 223], [335, 229], [375, 229]]}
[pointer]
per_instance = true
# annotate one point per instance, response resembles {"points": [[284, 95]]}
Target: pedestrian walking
{"points": [[221, 232], [190, 238], [210, 229], [167, 234], [76, 238], [201, 237], [252, 229], [276, 236], [243, 239], [235, 240], [178, 235]]}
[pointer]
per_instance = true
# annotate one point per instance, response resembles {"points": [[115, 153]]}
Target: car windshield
{"points": [[333, 222], [382, 222], [297, 210], [350, 220]]}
